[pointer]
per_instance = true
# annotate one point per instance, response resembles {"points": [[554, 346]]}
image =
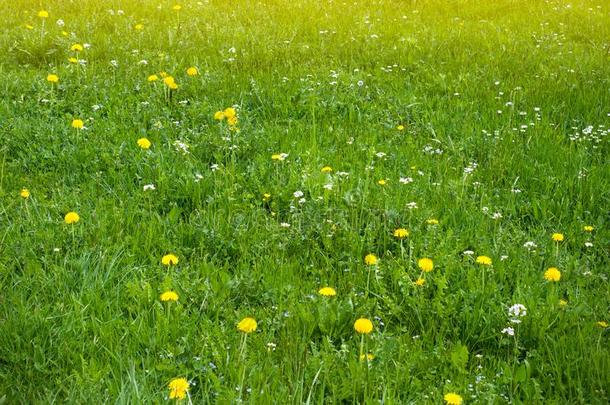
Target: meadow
{"points": [[305, 201]]}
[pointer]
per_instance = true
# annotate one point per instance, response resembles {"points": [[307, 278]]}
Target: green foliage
{"points": [[489, 117]]}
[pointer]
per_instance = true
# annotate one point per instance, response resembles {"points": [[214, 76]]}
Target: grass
{"points": [[503, 115]]}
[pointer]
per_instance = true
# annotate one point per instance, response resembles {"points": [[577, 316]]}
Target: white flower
{"points": [[588, 244], [380, 154], [60, 23], [328, 186], [149, 187], [412, 205], [517, 310], [508, 331], [530, 245], [298, 194], [198, 177], [468, 252], [285, 225], [497, 215], [405, 180], [181, 147], [214, 167]]}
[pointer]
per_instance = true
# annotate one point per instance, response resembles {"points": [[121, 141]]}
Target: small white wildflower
{"points": [[60, 23], [508, 331], [148, 187], [405, 180], [328, 186], [467, 252], [517, 310], [285, 225], [530, 245], [298, 194], [412, 205]]}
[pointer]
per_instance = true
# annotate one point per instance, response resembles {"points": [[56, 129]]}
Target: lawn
{"points": [[306, 201]]}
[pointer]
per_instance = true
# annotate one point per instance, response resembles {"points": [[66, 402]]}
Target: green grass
{"points": [[328, 83]]}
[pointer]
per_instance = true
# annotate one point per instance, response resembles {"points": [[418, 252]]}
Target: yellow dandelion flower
{"points": [[266, 197], [232, 121], [401, 233], [71, 218], [177, 7], [78, 123], [602, 324], [451, 398], [425, 264], [557, 237], [219, 115], [152, 78], [169, 259], [170, 82], [587, 228], [163, 74], [247, 325], [327, 292], [144, 143], [230, 112], [484, 260], [363, 326], [370, 259], [420, 282], [169, 296], [76, 48], [52, 78], [73, 60], [192, 71], [432, 221], [64, 33], [400, 127], [552, 274], [368, 357], [326, 169], [138, 27], [43, 14], [24, 193], [178, 388], [382, 182], [279, 156], [563, 303]]}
